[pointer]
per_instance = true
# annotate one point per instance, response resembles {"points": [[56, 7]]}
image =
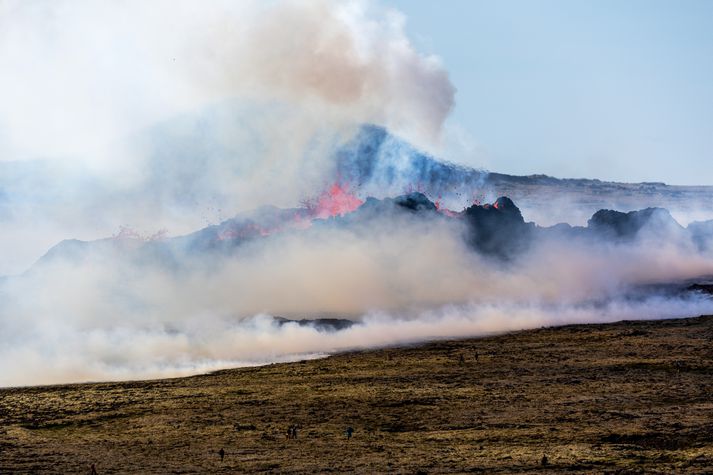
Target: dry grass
{"points": [[621, 398]]}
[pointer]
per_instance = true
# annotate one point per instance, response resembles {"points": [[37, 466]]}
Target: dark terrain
{"points": [[629, 397]]}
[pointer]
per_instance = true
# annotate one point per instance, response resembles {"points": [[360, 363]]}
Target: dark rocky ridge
{"points": [[496, 230], [703, 288], [499, 229], [320, 324], [627, 225]]}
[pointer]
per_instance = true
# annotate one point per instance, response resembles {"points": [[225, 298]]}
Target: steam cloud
{"points": [[406, 279], [175, 114], [191, 112]]}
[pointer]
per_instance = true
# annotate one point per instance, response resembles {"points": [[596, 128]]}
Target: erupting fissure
{"points": [[337, 200]]}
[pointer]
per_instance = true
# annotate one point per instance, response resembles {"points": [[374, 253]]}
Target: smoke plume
{"points": [[119, 309], [189, 111], [154, 122]]}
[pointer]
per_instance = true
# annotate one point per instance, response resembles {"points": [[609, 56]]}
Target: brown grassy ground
{"points": [[619, 398]]}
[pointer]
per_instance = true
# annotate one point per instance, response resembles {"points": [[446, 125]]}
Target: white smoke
{"points": [[82, 75], [107, 315], [191, 111], [172, 114]]}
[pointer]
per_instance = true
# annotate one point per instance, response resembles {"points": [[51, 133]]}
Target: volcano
{"points": [[379, 176], [495, 230], [373, 163], [406, 246]]}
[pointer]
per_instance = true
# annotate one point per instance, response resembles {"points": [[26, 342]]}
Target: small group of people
{"points": [[292, 431]]}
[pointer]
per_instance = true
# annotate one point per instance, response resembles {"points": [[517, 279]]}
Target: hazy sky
{"points": [[612, 89]]}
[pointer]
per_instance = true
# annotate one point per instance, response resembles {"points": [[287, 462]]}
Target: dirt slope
{"points": [[618, 398]]}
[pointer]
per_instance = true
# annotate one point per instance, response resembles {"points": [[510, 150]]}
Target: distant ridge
{"points": [[496, 230]]}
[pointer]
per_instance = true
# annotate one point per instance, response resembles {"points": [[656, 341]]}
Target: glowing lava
{"points": [[336, 201]]}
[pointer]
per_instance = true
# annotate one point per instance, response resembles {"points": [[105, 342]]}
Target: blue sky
{"points": [[619, 90]]}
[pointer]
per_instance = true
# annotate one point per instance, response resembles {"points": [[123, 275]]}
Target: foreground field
{"points": [[628, 397]]}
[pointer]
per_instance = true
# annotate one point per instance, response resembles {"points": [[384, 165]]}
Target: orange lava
{"points": [[336, 201]]}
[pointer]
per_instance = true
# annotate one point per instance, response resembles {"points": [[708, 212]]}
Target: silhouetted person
{"points": [[94, 469], [289, 432], [476, 356], [461, 360], [544, 460], [221, 452], [350, 431], [294, 431]]}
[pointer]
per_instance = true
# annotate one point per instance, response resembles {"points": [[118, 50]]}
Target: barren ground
{"points": [[628, 397]]}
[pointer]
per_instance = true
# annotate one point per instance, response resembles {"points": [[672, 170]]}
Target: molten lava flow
{"points": [[443, 210], [336, 201], [450, 213]]}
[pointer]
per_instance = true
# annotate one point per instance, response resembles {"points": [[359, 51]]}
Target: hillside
{"points": [[627, 397]]}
